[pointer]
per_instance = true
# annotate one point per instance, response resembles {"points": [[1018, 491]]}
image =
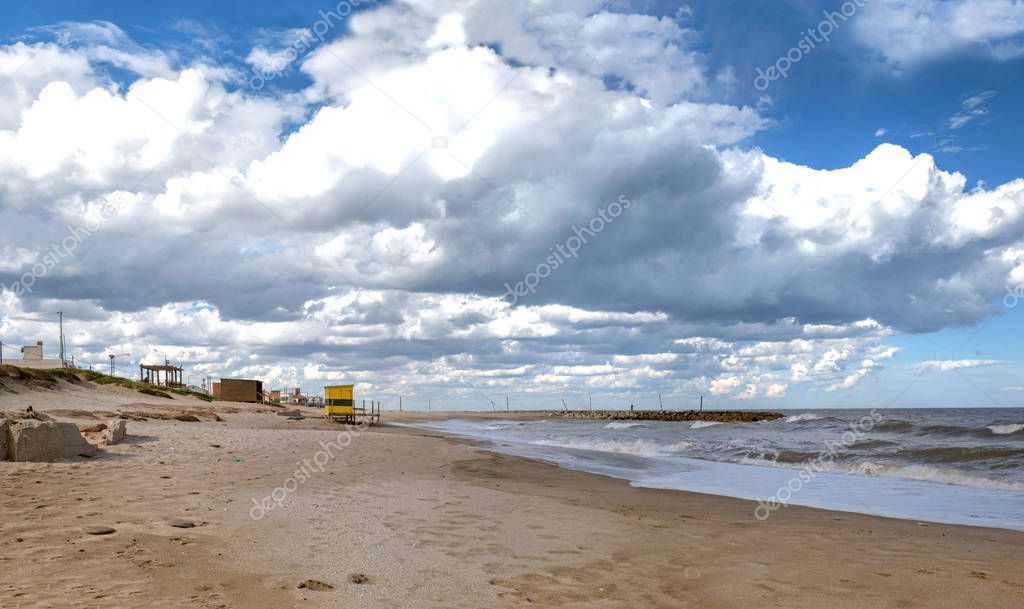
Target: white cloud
{"points": [[280, 51], [880, 132], [973, 107], [956, 364], [350, 246], [907, 33]]}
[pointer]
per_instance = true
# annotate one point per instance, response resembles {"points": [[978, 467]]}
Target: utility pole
{"points": [[1, 353], [701, 403], [60, 319], [590, 396], [506, 404], [399, 403]]}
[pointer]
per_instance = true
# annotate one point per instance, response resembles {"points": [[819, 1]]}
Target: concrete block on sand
{"points": [[116, 431], [30, 440], [5, 441]]}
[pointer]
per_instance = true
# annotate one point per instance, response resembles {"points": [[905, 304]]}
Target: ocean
{"points": [[961, 466]]}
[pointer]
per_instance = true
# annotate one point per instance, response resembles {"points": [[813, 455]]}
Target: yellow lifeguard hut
{"points": [[338, 402], [340, 405]]}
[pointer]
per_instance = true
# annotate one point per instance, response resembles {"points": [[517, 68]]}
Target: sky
{"points": [[773, 204]]}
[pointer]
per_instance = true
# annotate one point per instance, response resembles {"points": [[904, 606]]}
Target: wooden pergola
{"points": [[150, 373]]}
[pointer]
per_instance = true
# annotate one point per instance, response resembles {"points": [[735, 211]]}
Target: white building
{"points": [[32, 357]]}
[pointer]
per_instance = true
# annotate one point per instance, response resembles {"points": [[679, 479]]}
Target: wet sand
{"points": [[398, 517]]}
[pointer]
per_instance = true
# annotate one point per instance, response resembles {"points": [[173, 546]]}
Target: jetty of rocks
{"points": [[722, 416]]}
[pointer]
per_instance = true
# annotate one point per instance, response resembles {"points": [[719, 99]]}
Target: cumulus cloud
{"points": [[907, 33], [279, 51], [365, 227]]}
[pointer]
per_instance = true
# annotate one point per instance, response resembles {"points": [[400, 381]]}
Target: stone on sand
{"points": [[316, 586], [5, 441], [99, 530], [91, 427], [116, 431], [31, 440], [181, 524]]}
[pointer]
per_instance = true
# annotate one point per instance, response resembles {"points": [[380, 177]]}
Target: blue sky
{"points": [[956, 101]]}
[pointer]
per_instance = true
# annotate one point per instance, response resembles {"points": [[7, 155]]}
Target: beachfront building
{"points": [[32, 357], [240, 390]]}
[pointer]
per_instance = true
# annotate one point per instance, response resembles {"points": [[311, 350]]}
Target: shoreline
{"points": [[768, 487], [420, 518], [487, 447]]}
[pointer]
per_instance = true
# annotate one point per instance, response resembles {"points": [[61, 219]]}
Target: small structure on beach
{"points": [[239, 390], [32, 357], [340, 405], [297, 398], [151, 373]]}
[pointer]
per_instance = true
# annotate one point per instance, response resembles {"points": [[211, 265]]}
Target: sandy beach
{"points": [[258, 511]]}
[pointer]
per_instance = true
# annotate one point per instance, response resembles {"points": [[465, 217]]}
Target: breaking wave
{"points": [[1005, 430], [807, 416], [703, 424], [623, 424]]}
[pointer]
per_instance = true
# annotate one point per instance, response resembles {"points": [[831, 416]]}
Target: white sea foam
{"points": [[682, 446], [946, 475], [623, 424], [703, 424], [1004, 430], [807, 416], [643, 448]]}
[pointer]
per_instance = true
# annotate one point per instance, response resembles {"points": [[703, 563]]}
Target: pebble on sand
{"points": [[99, 530], [316, 586], [181, 524]]}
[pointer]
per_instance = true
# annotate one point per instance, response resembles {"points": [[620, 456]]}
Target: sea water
{"points": [[962, 466]]}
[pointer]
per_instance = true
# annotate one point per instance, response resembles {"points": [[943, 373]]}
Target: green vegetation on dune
{"points": [[11, 375]]}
